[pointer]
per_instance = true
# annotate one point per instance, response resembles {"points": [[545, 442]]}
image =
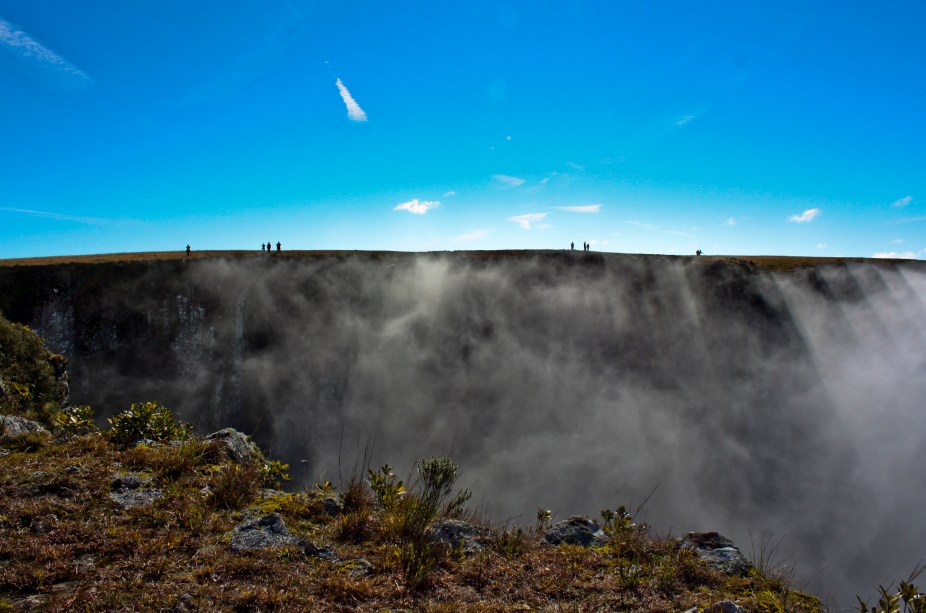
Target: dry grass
{"points": [[770, 262], [64, 545]]}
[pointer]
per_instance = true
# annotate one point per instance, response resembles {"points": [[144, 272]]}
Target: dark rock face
{"points": [[576, 531], [719, 552]]}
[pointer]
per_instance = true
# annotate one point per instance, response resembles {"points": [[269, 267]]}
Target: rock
{"points": [[270, 531], [719, 552], [13, 427], [725, 606], [454, 533], [234, 446], [575, 531], [333, 506], [325, 553], [262, 533], [130, 491]]}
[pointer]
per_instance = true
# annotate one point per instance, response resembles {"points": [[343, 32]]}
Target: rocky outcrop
{"points": [[13, 427], [229, 444], [719, 552], [270, 532], [575, 531]]}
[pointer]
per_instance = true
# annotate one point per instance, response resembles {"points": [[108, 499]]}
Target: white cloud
{"points": [[39, 61], [449, 194], [584, 208], [687, 119], [575, 166], [821, 245], [903, 201], [508, 181], [526, 220], [475, 235], [56, 216], [354, 112], [731, 221], [897, 241], [547, 178], [418, 207], [894, 255], [806, 216]]}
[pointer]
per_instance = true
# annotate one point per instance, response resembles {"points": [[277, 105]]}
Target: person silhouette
{"points": [[188, 250], [263, 246], [572, 246], [278, 245], [698, 252]]}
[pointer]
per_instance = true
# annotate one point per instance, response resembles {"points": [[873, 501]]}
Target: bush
{"points": [[76, 420], [28, 379], [147, 420]]}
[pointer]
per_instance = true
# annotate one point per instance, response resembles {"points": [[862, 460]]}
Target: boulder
{"points": [[454, 533], [234, 446], [719, 552], [270, 531], [576, 531], [13, 427]]}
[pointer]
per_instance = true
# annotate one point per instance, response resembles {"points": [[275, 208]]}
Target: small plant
{"points": [[386, 487], [510, 544], [418, 559], [273, 474], [544, 519], [617, 522], [76, 420], [147, 420], [907, 594]]}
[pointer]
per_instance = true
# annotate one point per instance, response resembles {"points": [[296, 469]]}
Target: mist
{"points": [[785, 405]]}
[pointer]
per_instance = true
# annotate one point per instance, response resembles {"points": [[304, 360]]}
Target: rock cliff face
{"points": [[784, 401]]}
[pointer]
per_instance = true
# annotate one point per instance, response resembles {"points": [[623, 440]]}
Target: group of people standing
{"points": [[268, 247], [585, 246]]}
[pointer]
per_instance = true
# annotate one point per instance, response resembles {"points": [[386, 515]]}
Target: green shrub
{"points": [[147, 420], [410, 517], [27, 374], [273, 474], [386, 487], [76, 420]]}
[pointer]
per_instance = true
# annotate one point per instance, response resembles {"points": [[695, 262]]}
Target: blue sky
{"points": [[640, 127]]}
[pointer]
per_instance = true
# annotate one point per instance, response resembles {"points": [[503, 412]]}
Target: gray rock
{"points": [[262, 533], [725, 606], [130, 491], [454, 533], [333, 506], [719, 552], [576, 531], [234, 446], [13, 426], [270, 531]]}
